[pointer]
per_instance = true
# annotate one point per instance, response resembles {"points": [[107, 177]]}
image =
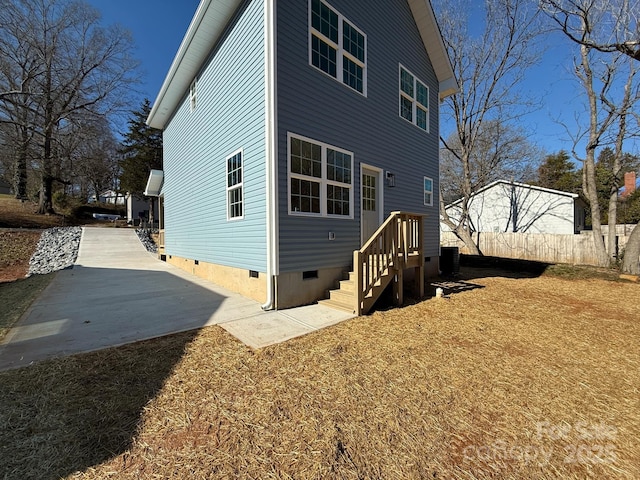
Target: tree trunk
{"points": [[613, 221], [45, 205], [461, 229], [589, 187], [589, 169], [20, 178], [46, 192], [631, 263], [465, 235]]}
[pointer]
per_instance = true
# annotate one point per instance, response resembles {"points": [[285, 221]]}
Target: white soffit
{"points": [[208, 24], [432, 39], [154, 183]]}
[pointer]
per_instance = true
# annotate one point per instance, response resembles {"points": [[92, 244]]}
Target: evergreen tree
{"points": [[606, 181], [559, 173], [629, 208], [142, 152]]}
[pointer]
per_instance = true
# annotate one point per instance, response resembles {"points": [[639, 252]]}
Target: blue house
{"points": [[292, 132]]}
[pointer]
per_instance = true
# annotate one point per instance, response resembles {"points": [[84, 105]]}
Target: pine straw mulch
{"points": [[524, 378]]}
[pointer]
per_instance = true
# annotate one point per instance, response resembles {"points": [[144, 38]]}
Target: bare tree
{"points": [[488, 67], [92, 155], [611, 92], [502, 153], [81, 67], [19, 66], [607, 26]]}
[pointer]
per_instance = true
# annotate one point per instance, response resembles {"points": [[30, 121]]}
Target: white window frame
{"points": [[430, 203], [193, 94], [341, 53], [322, 180], [414, 102], [237, 186]]}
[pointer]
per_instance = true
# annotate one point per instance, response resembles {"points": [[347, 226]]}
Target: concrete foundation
{"points": [[235, 279], [292, 289]]}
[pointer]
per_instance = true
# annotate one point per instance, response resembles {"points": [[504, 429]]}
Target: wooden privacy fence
{"points": [[549, 248]]}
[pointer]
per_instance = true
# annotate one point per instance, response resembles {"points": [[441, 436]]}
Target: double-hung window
{"points": [[235, 191], [337, 47], [320, 179], [414, 100], [428, 191]]}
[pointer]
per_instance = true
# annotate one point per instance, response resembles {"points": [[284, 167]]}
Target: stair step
{"points": [[340, 296], [337, 305], [347, 285]]}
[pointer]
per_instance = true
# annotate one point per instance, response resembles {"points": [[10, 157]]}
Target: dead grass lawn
{"points": [[18, 214], [525, 378], [16, 291]]}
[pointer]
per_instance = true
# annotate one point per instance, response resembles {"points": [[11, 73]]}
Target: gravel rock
{"points": [[56, 250], [145, 237]]}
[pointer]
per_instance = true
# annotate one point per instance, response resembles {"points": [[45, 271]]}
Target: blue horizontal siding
{"points": [[314, 105], [229, 116]]}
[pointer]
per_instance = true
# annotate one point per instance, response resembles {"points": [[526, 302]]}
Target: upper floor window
{"points": [[235, 194], [320, 179], [428, 191], [337, 47], [414, 99], [192, 95]]}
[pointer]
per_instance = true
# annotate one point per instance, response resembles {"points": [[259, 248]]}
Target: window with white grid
{"points": [[235, 191], [320, 179], [337, 47], [414, 100]]}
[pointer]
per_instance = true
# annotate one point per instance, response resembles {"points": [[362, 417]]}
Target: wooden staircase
{"points": [[394, 247]]}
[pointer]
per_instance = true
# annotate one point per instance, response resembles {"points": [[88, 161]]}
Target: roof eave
{"points": [[154, 183], [206, 28], [434, 44], [518, 184]]}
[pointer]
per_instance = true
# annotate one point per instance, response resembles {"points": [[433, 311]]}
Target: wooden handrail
{"points": [[388, 249]]}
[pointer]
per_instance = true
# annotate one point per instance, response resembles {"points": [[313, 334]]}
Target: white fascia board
{"points": [[206, 28], [432, 39]]}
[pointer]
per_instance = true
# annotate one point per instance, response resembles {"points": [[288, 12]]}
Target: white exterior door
{"points": [[370, 202]]}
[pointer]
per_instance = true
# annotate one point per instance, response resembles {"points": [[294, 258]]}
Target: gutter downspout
{"points": [[271, 160]]}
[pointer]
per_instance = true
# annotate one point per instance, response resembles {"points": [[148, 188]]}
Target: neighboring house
{"points": [[291, 134], [5, 187], [110, 197], [504, 206]]}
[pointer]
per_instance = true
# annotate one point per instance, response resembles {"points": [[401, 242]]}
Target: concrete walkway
{"points": [[118, 293]]}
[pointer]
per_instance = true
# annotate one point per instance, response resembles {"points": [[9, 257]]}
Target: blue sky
{"points": [[158, 27]]}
